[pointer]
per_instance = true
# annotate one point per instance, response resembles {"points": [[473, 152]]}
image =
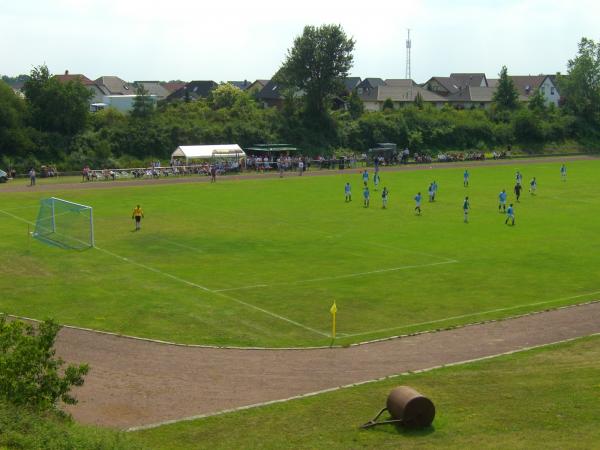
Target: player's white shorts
{"points": [[503, 202]]}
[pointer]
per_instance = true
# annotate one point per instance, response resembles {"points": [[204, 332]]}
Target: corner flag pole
{"points": [[333, 311]]}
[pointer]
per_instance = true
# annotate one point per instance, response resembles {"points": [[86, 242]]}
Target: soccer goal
{"points": [[65, 224]]}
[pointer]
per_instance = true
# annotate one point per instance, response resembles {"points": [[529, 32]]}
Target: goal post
{"points": [[65, 224]]}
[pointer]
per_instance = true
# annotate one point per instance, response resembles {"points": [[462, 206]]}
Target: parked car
{"points": [[3, 176]]}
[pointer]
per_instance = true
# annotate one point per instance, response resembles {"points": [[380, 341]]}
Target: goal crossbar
{"points": [[65, 224]]}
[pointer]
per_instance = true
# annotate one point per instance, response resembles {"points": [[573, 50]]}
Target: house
{"points": [[193, 90], [154, 88], [257, 86], [400, 96], [399, 82], [528, 84], [446, 86], [123, 103], [173, 86], [242, 85], [112, 85], [471, 97], [97, 92], [368, 85], [270, 95], [349, 84]]}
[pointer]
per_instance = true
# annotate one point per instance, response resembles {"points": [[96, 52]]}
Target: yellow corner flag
{"points": [[333, 311]]}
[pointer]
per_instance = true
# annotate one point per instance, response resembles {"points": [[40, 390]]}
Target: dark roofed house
{"points": [[469, 79], [349, 84], [257, 86], [270, 95], [368, 85], [242, 85], [193, 90]]}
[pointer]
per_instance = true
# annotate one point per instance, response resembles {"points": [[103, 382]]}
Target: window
{"points": [[552, 90], [543, 89]]}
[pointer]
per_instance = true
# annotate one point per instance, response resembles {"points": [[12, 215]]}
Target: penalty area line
{"points": [[462, 316], [190, 283], [339, 277]]}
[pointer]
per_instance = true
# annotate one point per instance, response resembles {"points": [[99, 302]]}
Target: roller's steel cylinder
{"points": [[407, 405]]}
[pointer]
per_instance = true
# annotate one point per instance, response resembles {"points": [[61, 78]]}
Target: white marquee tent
{"points": [[226, 151]]}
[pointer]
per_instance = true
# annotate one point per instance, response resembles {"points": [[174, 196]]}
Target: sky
{"points": [[235, 40]]}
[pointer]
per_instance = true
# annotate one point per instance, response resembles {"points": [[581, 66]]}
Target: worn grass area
{"points": [[259, 262], [544, 398]]}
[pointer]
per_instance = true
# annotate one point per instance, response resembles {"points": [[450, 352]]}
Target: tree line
{"points": [[53, 125]]}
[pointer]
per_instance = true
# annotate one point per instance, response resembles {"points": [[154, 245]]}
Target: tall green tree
{"points": [[143, 106], [580, 88], [14, 139], [56, 107], [537, 102], [319, 59], [506, 96]]}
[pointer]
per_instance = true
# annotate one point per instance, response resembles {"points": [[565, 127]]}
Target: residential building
{"points": [[400, 96], [112, 85], [97, 92], [193, 90], [528, 84], [154, 88]]}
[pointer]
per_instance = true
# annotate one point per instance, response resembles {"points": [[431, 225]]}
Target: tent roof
{"points": [[208, 151]]}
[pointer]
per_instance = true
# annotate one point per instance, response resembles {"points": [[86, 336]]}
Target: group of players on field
{"points": [[433, 187]]}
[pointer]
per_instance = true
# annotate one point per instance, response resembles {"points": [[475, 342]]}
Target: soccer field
{"points": [[258, 262]]}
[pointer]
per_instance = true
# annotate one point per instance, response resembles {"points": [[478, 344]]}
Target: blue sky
{"points": [[234, 40]]}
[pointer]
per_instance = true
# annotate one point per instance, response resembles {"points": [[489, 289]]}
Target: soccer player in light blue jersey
{"points": [[365, 177], [466, 176], [532, 186], [376, 180], [563, 172], [348, 192], [418, 203], [366, 196], [510, 215], [502, 201]]}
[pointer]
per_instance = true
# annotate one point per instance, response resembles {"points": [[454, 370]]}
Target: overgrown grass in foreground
{"points": [[283, 250], [22, 428], [544, 398]]}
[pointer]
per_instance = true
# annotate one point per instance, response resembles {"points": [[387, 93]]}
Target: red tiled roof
{"points": [[74, 77]]}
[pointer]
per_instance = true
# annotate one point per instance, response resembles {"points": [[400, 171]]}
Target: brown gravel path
{"points": [[135, 383], [22, 186]]}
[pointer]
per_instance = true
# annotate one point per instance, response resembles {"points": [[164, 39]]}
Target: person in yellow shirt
{"points": [[137, 214]]}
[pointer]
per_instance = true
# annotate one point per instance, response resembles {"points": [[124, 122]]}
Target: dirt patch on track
{"points": [[41, 187], [137, 383]]}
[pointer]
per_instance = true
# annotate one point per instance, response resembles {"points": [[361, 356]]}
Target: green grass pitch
{"points": [[258, 262]]}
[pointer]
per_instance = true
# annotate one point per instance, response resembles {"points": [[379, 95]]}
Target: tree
{"points": [[580, 88], [355, 105], [419, 102], [537, 102], [320, 58], [388, 105], [143, 106], [14, 139], [29, 372], [56, 107], [506, 96]]}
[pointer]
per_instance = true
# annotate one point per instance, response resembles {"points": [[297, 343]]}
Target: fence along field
{"points": [[259, 262]]}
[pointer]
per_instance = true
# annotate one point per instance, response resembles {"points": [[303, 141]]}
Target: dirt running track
{"points": [[134, 383], [21, 186]]}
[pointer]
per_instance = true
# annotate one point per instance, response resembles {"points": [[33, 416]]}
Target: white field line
{"points": [[351, 385], [205, 289], [462, 316], [195, 285], [339, 277]]}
